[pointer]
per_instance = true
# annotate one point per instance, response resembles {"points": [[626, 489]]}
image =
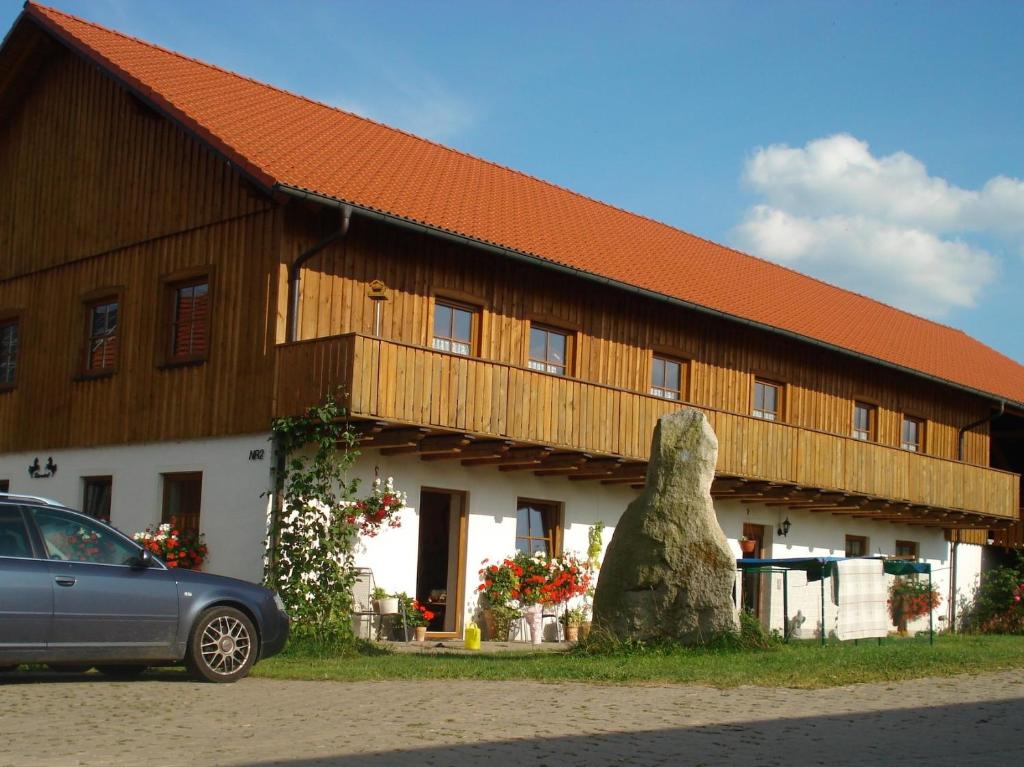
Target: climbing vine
{"points": [[313, 531]]}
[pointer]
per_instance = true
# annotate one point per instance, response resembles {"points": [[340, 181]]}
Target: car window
{"points": [[14, 540], [69, 538]]}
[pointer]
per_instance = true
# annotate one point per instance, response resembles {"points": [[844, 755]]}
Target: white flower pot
{"points": [[387, 606], [534, 615]]}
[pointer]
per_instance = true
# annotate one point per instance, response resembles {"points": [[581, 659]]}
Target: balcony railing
{"points": [[416, 385]]}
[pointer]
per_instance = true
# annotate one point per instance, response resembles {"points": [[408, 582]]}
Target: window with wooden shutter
{"points": [[8, 353], [190, 321], [103, 342]]}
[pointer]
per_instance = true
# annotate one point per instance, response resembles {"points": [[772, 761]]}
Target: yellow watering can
{"points": [[472, 637]]}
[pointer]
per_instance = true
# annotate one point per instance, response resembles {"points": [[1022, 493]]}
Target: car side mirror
{"points": [[145, 559]]}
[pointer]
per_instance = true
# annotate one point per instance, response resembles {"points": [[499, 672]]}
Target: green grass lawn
{"points": [[801, 664]]}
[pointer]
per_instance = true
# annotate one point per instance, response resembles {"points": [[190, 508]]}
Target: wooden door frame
{"points": [[759, 601], [460, 575]]}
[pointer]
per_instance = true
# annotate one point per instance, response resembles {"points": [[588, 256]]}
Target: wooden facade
{"points": [[100, 195], [615, 335], [474, 399]]}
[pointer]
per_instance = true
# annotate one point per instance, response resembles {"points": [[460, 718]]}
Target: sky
{"points": [[873, 145]]}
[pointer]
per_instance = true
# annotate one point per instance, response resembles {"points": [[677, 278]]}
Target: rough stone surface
{"points": [[668, 572], [66, 720]]}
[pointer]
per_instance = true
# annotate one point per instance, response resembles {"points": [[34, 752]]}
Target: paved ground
{"points": [[52, 720]]}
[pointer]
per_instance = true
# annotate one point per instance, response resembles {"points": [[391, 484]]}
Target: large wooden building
{"points": [[186, 253]]}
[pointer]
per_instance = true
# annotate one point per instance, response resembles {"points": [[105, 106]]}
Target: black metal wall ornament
{"points": [[36, 472]]}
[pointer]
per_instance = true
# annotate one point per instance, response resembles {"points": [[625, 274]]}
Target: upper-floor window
{"points": [[536, 527], [104, 339], [864, 421], [906, 550], [549, 350], [856, 546], [190, 320], [453, 328], [8, 353], [767, 400], [667, 378], [912, 434]]}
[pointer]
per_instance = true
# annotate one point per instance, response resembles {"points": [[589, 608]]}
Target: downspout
{"points": [[295, 272], [964, 429]]}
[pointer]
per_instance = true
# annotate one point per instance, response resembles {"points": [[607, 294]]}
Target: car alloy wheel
{"points": [[222, 646]]}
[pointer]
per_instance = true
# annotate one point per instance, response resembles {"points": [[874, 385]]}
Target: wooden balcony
{"points": [[417, 399]]}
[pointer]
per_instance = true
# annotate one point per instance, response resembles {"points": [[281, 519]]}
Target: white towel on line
{"points": [[863, 597]]}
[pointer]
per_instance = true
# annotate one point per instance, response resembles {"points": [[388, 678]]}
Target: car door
{"points": [[104, 605], [26, 596]]}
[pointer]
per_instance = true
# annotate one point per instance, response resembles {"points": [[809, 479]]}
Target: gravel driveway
{"points": [[58, 720]]}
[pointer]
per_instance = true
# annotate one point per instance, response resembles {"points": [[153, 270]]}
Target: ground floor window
{"points": [[182, 499], [5, 485], [856, 546], [906, 550], [537, 526], [96, 493]]}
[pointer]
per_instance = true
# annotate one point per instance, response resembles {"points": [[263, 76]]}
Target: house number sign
{"points": [[257, 454]]}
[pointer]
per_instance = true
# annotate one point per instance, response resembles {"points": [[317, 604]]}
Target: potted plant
{"points": [[417, 616], [385, 603], [911, 598], [747, 545], [499, 597], [572, 620], [183, 549]]}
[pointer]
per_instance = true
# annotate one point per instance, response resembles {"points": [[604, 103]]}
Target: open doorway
{"points": [[753, 583], [441, 558]]}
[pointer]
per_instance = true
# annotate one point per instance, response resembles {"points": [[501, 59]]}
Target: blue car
{"points": [[113, 605]]}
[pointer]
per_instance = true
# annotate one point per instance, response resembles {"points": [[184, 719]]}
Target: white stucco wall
{"points": [[233, 515], [823, 534], [233, 512], [492, 497]]}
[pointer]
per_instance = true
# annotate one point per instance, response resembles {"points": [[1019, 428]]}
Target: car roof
{"points": [[33, 500]]}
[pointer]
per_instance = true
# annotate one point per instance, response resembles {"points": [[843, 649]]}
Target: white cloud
{"points": [[879, 225]]}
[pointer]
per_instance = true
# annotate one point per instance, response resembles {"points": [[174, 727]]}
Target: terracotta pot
{"points": [[487, 618], [585, 629], [748, 547], [572, 633], [421, 633]]}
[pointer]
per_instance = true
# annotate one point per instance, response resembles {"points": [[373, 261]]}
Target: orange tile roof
{"points": [[284, 139]]}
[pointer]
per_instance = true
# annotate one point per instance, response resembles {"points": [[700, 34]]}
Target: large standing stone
{"points": [[668, 572]]}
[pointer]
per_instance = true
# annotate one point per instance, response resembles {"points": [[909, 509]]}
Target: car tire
{"points": [[222, 645], [121, 672], [69, 668]]}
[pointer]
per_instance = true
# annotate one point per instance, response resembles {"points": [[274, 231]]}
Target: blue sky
{"points": [[875, 145]]}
